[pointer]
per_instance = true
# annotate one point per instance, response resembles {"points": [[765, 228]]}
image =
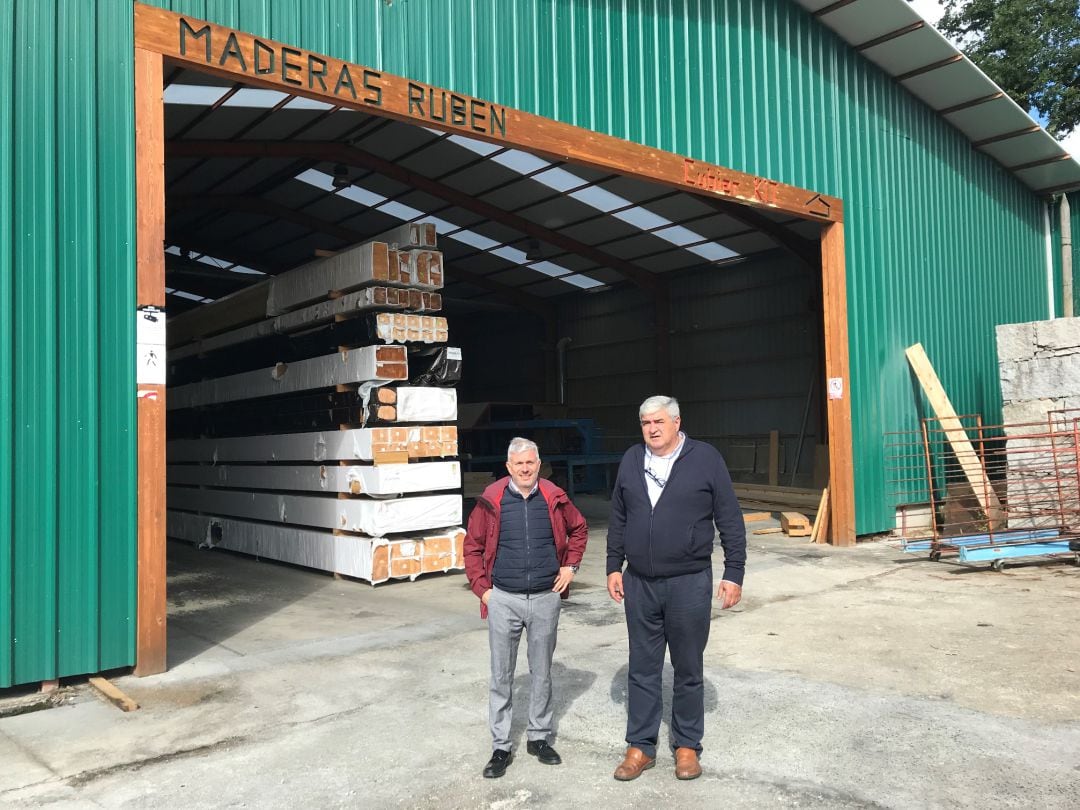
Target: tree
{"points": [[1030, 48]]}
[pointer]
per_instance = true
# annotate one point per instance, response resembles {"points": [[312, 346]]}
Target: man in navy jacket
{"points": [[669, 493]]}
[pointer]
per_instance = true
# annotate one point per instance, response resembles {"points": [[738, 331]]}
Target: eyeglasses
{"points": [[656, 478]]}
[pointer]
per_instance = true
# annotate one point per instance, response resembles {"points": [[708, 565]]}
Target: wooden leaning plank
{"points": [[957, 437]]}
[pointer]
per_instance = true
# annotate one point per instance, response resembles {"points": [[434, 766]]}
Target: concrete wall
{"points": [[1040, 391]]}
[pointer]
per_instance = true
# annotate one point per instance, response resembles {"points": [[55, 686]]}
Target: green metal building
{"points": [[951, 224]]}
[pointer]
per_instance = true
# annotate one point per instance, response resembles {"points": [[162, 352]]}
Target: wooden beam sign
{"points": [[265, 63]]}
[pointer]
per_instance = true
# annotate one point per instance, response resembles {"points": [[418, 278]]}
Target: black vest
{"points": [[525, 561]]}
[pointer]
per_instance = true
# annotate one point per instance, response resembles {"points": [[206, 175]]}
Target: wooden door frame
{"points": [[260, 62]]}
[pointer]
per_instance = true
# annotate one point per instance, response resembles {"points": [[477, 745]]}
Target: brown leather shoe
{"points": [[633, 765], [686, 764]]}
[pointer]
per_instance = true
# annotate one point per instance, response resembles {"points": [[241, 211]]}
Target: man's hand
{"points": [[562, 582], [729, 594], [486, 596], [614, 586]]}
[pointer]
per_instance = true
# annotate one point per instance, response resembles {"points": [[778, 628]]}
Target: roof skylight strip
{"points": [[599, 198], [221, 264], [378, 202]]}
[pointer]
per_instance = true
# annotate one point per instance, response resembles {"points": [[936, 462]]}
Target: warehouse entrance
{"points": [[565, 252]]}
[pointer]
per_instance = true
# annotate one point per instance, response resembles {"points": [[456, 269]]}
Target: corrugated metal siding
{"points": [[941, 242], [67, 475]]}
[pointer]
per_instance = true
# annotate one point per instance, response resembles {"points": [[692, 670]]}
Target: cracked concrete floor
{"points": [[847, 678]]}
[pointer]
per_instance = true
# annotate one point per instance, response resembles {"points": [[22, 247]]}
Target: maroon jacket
{"points": [[482, 537]]}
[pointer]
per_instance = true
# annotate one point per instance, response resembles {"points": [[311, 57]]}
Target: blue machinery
{"points": [[998, 547], [577, 450]]}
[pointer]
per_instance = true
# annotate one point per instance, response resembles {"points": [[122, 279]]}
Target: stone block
{"points": [[1059, 337], [1041, 378], [1028, 416], [1015, 341]]}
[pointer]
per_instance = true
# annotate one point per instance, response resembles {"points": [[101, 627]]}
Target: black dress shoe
{"points": [[496, 766], [544, 752]]}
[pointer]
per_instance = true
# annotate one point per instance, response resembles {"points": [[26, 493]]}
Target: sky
{"points": [[931, 10]]}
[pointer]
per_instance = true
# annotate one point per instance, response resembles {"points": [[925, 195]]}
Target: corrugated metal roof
{"points": [[893, 36]]}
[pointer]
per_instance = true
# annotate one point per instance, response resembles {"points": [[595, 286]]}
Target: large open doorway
{"points": [[582, 271]]}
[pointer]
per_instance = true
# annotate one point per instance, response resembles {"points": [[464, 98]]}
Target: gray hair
{"points": [[520, 445], [658, 402]]}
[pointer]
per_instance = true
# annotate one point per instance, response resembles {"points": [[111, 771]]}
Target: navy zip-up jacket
{"points": [[676, 536]]}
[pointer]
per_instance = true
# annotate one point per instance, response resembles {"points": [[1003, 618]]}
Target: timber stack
{"points": [[311, 416]]}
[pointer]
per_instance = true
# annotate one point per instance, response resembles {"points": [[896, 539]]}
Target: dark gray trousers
{"points": [[508, 614], [672, 613]]}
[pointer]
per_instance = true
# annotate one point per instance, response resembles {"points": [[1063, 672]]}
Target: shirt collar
{"points": [[678, 449], [532, 491]]}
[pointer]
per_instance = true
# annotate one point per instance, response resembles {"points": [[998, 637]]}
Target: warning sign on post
{"points": [[150, 346], [836, 387]]}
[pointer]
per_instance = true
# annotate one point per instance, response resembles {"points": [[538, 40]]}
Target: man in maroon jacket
{"points": [[524, 544]]}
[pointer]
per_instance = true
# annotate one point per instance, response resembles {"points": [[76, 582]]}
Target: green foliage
{"points": [[1030, 48]]}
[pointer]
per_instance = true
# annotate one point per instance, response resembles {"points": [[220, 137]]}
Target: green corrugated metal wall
{"points": [[942, 244], [67, 460]]}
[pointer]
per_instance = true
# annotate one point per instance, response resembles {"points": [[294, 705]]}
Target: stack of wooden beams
{"points": [[311, 416], [778, 499]]}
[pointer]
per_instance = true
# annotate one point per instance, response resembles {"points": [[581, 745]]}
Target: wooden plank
{"points": [[777, 496], [323, 312], [955, 434], [795, 524], [751, 517], [774, 458], [838, 379], [371, 517], [359, 444], [203, 46], [769, 530], [368, 363], [365, 265], [345, 555], [386, 479], [821, 519], [113, 694], [150, 618], [409, 235], [361, 266]]}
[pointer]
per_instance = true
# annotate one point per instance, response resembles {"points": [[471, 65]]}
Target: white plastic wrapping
{"points": [[385, 479], [425, 404], [356, 365], [358, 444], [374, 559], [372, 517]]}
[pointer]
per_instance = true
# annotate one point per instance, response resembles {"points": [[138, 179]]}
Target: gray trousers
{"points": [[508, 615]]}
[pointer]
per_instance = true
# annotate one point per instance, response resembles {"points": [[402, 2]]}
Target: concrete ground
{"points": [[846, 678]]}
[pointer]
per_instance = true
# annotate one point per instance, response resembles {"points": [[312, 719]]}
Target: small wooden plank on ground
{"points": [[112, 694], [769, 530], [820, 532], [751, 517], [795, 524]]}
